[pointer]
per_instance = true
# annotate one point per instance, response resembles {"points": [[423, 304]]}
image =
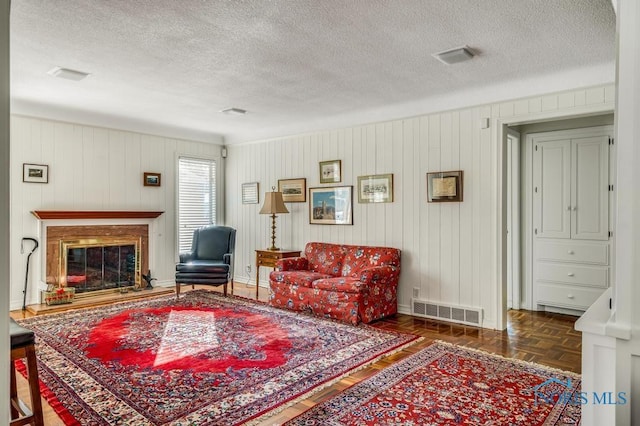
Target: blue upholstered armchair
{"points": [[210, 261]]}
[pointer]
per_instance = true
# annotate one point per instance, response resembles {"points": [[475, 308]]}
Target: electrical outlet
{"points": [[416, 292], [248, 269]]}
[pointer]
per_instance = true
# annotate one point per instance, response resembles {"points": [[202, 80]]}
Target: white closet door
{"points": [[552, 188], [590, 188]]}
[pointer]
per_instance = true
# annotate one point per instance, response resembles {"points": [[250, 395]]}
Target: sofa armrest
{"points": [[186, 256], [379, 274], [292, 264]]}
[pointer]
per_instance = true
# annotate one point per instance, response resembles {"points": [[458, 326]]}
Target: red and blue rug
{"points": [[445, 384], [200, 360]]}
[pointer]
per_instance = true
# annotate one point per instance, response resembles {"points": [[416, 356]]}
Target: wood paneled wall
{"points": [[449, 250], [93, 168]]}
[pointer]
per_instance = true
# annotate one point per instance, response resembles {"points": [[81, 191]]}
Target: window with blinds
{"points": [[196, 197]]}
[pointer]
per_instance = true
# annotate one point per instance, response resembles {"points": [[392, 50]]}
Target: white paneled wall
{"points": [[450, 251], [93, 168]]}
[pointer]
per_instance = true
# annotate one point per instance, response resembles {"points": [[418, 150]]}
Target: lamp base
{"points": [[272, 248]]}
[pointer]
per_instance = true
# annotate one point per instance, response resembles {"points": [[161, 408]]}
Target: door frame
{"points": [[513, 219], [499, 136]]}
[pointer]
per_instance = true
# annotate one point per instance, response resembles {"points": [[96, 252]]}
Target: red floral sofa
{"points": [[345, 282]]}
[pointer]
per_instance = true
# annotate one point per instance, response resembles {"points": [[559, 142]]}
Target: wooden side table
{"points": [[269, 258]]}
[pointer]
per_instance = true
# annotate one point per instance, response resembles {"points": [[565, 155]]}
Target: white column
{"points": [[627, 285], [4, 209]]}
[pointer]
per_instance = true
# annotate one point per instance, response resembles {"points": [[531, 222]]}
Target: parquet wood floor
{"points": [[539, 337]]}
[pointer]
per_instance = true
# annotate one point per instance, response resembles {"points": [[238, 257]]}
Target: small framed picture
{"points": [[331, 205], [331, 171], [35, 173], [293, 190], [151, 179], [250, 193], [444, 186], [375, 189]]}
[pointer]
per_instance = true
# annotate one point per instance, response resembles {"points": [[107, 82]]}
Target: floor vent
{"points": [[458, 314]]}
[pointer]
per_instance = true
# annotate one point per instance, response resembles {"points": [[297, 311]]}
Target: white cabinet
{"points": [[570, 217]]}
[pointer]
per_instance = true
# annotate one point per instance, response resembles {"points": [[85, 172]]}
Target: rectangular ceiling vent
{"points": [[458, 314]]}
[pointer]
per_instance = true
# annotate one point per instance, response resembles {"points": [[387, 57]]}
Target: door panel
{"points": [[552, 194], [589, 188]]}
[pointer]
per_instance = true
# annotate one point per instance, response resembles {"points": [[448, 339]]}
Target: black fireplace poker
{"points": [[26, 277]]}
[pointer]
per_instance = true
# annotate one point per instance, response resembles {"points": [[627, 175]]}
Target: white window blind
{"points": [[196, 197]]}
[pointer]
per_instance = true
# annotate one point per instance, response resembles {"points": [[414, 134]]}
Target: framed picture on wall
{"points": [[293, 190], [35, 173], [331, 205], [331, 171], [151, 179], [250, 193], [444, 186], [375, 189]]}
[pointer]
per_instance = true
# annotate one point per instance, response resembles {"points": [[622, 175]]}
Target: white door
{"points": [[552, 188], [590, 188]]}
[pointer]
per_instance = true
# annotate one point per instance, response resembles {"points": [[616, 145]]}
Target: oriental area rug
{"points": [[203, 359], [445, 384]]}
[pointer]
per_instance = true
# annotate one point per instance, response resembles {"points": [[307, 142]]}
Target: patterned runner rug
{"points": [[445, 384], [200, 360]]}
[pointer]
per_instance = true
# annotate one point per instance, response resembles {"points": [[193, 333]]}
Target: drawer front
{"points": [[266, 262], [597, 254], [567, 296], [269, 256], [592, 276]]}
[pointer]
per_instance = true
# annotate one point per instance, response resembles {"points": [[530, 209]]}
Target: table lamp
{"points": [[273, 204]]}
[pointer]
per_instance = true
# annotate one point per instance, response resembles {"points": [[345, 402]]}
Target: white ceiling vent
{"points": [[67, 73], [234, 111], [456, 55]]}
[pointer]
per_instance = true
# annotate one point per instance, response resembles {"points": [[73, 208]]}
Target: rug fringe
{"points": [[292, 402], [515, 360]]}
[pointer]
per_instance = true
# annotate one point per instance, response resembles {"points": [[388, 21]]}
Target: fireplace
{"points": [[97, 264]]}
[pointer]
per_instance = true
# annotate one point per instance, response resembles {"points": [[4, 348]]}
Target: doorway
{"points": [[518, 199]]}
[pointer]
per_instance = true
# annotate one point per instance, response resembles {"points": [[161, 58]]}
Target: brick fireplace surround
{"points": [[69, 230]]}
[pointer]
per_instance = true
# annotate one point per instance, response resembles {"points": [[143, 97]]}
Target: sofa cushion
{"points": [[358, 258], [325, 258], [339, 284], [300, 278]]}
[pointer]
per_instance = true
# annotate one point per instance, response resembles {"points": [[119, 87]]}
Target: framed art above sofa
{"points": [[331, 205]]}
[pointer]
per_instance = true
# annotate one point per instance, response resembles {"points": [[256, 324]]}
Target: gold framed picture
{"points": [[444, 186], [331, 171], [293, 190], [375, 189]]}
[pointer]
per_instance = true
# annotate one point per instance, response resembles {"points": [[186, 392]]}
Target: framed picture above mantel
{"points": [[35, 173]]}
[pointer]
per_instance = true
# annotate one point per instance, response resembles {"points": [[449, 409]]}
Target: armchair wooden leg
{"points": [[177, 290], [224, 289]]}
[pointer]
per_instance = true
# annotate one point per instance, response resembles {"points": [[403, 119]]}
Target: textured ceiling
{"points": [[296, 65]]}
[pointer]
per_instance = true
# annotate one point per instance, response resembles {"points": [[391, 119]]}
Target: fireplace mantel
{"points": [[94, 214]]}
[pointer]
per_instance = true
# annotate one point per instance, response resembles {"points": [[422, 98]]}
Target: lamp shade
{"points": [[273, 203]]}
